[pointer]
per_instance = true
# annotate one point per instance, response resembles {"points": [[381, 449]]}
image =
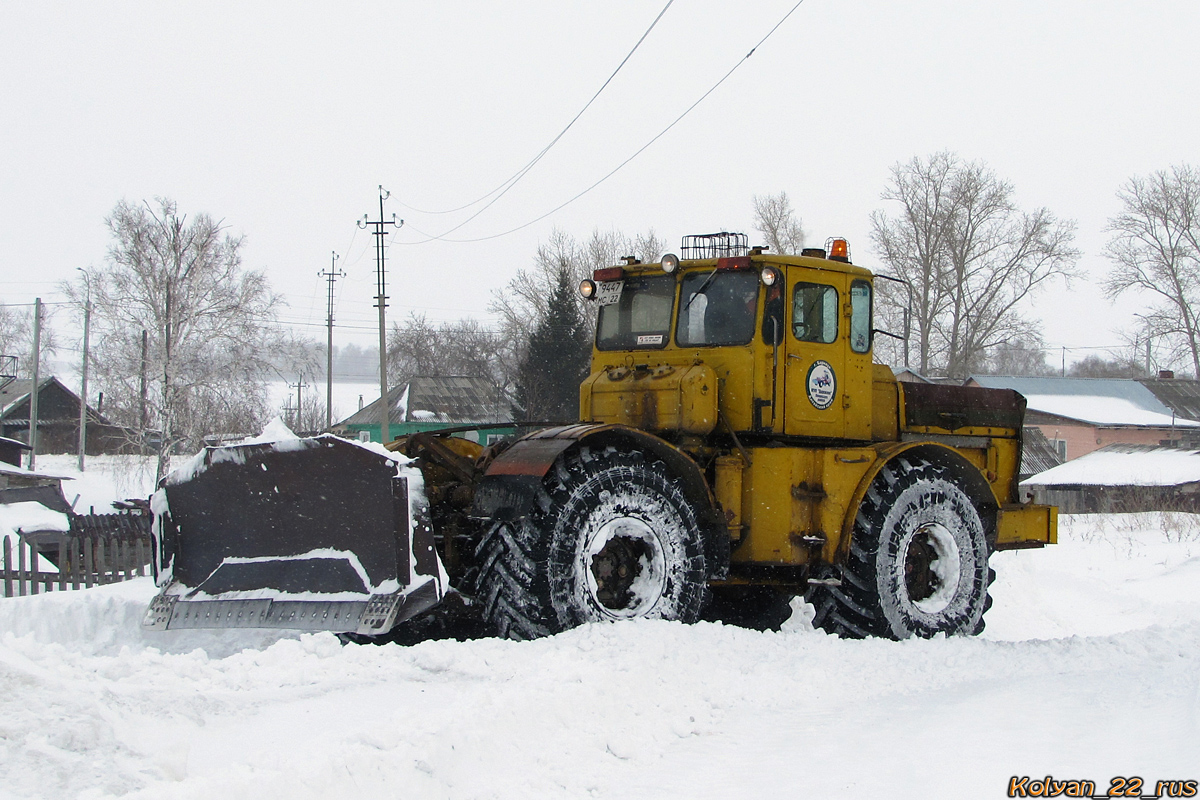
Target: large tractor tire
{"points": [[918, 562], [611, 536]]}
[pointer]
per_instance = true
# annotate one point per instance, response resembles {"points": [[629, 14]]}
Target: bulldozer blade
{"points": [[310, 534]]}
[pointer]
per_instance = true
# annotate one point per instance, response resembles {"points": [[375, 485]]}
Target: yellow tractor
{"points": [[737, 447]]}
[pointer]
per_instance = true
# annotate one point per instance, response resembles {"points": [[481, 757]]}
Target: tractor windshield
{"points": [[637, 313], [717, 308]]}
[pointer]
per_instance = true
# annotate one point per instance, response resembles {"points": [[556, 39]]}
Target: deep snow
{"points": [[1089, 668]]}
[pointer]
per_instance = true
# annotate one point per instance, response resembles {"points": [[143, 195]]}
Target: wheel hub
{"points": [[625, 568], [931, 568]]}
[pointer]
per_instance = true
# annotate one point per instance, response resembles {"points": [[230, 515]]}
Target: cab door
{"points": [[815, 363]]}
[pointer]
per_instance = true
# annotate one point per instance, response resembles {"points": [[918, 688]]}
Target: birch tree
{"points": [[777, 222], [971, 256], [1155, 250], [182, 334]]}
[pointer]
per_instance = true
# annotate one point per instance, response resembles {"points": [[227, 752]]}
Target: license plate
{"points": [[609, 292]]}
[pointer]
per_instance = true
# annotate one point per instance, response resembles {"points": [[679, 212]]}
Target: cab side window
{"points": [[860, 316], [815, 313]]}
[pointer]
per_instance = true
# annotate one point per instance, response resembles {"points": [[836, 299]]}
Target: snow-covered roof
{"points": [[1125, 465], [9, 469], [1179, 394], [1097, 401]]}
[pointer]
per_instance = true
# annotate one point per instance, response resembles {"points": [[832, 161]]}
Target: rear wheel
{"points": [[611, 537], [918, 560]]}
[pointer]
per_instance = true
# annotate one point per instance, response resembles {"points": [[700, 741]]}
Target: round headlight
{"points": [[670, 263], [770, 276], [587, 289]]}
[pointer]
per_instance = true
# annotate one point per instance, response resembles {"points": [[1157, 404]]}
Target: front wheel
{"points": [[918, 560], [611, 537]]}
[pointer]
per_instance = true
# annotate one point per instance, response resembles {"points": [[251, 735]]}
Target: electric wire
{"points": [[516, 177], [443, 237]]}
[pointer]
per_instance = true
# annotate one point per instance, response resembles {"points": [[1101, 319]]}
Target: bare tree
{"points": [[16, 338], [777, 222], [465, 347], [1155, 249], [525, 303], [971, 256], [1097, 366], [182, 334], [1022, 357]]}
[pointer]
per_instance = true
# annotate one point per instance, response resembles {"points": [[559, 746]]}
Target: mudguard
{"points": [[316, 533]]}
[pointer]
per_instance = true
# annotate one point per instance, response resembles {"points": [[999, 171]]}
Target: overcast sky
{"points": [[283, 118]]}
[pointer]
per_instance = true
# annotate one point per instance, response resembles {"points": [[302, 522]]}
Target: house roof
{"points": [[1125, 465], [441, 398], [1037, 454], [15, 392], [1105, 402], [1179, 394]]}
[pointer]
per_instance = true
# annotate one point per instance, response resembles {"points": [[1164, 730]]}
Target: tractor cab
{"points": [[732, 340]]}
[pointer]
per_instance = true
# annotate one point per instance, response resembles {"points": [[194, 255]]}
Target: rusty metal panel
{"points": [[954, 407]]}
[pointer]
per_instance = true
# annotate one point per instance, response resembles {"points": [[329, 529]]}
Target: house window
{"points": [[1060, 447]]}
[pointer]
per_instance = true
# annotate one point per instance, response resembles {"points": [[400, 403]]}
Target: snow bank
{"points": [[105, 478], [1088, 669]]}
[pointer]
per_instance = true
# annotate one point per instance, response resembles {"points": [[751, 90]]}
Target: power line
{"points": [[639, 151], [516, 177]]}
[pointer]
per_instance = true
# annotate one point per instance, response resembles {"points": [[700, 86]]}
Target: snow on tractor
{"points": [[738, 447]]}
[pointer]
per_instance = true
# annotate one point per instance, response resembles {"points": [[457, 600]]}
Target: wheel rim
{"points": [[625, 568], [931, 568]]}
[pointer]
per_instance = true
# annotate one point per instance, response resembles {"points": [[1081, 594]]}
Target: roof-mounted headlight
{"points": [[770, 276], [587, 289], [670, 263]]}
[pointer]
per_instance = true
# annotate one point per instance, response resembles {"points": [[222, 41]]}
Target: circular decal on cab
{"points": [[822, 385]]}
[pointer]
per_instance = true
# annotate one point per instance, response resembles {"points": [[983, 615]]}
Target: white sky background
{"points": [[283, 118]]}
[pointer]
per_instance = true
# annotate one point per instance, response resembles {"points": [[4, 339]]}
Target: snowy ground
{"points": [[1090, 668]]}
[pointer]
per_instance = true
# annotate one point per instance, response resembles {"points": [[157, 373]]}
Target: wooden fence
{"points": [[81, 560]]}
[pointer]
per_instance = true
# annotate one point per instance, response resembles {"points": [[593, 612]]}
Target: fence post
{"points": [[33, 569], [8, 587], [101, 561], [62, 563], [141, 557], [89, 560], [74, 544], [21, 577]]}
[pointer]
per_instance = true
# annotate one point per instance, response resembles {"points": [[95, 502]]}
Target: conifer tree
{"points": [[557, 359]]}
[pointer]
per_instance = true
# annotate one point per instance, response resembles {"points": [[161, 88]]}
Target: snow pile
{"points": [[1088, 669], [28, 517], [31, 516], [275, 432], [106, 478]]}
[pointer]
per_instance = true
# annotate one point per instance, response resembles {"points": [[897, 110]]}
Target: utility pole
{"points": [[299, 387], [142, 384], [83, 393], [33, 390], [381, 303], [331, 275]]}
